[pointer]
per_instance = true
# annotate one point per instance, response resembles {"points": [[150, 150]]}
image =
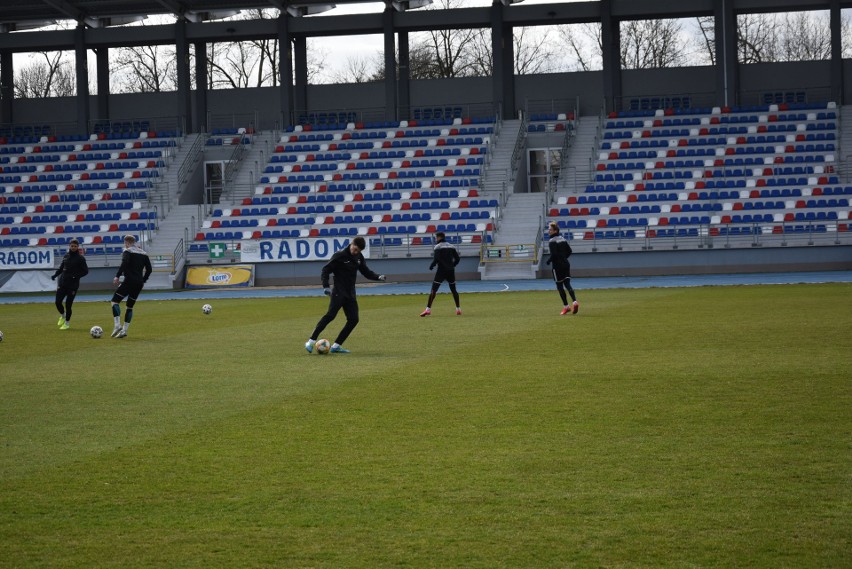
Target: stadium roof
{"points": [[26, 14], [18, 15], [21, 14]]}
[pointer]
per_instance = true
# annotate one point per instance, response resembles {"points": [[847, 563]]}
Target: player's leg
{"points": [[350, 309], [128, 316], [132, 297], [334, 306], [117, 297], [60, 296], [436, 284], [455, 292], [575, 306], [69, 302], [560, 287]]}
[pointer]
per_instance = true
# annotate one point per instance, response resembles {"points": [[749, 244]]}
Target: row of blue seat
{"points": [[669, 121], [714, 141]]}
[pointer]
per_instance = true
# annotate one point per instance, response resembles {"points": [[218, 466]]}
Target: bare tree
{"points": [[705, 41], [796, 36], [145, 69], [234, 65], [450, 51], [420, 63], [583, 46], [805, 36], [316, 62], [444, 53], [644, 44], [756, 38], [266, 71], [649, 44], [846, 35], [256, 63], [533, 50], [52, 77], [252, 63], [357, 70]]}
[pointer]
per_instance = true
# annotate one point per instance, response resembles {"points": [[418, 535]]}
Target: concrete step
{"points": [[159, 281], [507, 271]]}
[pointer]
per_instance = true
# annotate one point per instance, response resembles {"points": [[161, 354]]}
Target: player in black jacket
{"points": [[136, 268], [446, 258], [344, 265], [70, 271], [560, 250]]}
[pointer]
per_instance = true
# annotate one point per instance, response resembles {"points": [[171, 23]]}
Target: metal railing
{"points": [[515, 253], [697, 237], [520, 146], [189, 162], [179, 255], [380, 246]]}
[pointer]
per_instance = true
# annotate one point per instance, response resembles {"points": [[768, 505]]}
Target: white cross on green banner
{"points": [[217, 250]]}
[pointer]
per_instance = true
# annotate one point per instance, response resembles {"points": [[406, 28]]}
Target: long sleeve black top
{"points": [[345, 267]]}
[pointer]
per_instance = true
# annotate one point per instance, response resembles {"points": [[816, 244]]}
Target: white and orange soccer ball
{"points": [[322, 346]]}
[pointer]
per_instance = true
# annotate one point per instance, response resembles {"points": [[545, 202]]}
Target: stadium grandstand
{"points": [[729, 167]]}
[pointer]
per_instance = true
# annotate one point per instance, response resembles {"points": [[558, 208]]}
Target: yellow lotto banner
{"points": [[222, 276]]}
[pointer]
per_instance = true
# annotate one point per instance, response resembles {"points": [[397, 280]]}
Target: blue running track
{"points": [[422, 288]]}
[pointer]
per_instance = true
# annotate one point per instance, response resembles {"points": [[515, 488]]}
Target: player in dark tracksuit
{"points": [[70, 271], [345, 266], [446, 258], [560, 250], [136, 268]]}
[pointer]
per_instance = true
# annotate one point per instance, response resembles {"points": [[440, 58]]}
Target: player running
{"points": [[446, 258], [560, 250]]}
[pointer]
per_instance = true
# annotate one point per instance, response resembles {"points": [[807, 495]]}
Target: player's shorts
{"points": [[127, 290], [442, 275], [561, 273]]}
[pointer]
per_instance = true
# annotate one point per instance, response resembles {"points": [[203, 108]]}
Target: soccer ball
{"points": [[96, 332], [1, 336], [322, 346], [206, 309]]}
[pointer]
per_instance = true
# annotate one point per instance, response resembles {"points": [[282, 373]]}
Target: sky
{"points": [[338, 51]]}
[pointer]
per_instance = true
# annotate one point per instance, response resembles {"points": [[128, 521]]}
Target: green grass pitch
{"points": [[682, 427]]}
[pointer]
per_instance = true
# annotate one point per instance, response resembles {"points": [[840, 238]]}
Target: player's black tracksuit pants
{"points": [[350, 309]]}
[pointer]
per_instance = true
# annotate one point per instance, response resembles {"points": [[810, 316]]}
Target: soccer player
{"points": [[446, 258], [560, 250], [72, 268], [344, 265], [136, 268]]}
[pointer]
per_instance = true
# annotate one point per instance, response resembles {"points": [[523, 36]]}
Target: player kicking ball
{"points": [[344, 266]]}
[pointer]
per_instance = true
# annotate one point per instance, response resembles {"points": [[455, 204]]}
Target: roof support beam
{"points": [[67, 9]]}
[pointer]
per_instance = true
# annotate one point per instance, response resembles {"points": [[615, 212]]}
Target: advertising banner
{"points": [[225, 276], [278, 250], [28, 258]]}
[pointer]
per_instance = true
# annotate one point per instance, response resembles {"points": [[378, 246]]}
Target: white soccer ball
{"points": [[1, 336], [206, 309], [322, 346], [96, 332]]}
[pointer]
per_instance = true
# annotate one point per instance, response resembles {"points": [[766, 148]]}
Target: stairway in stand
{"points": [[182, 220], [516, 237]]}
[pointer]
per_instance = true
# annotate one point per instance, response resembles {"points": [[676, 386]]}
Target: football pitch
{"points": [[659, 427]]}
